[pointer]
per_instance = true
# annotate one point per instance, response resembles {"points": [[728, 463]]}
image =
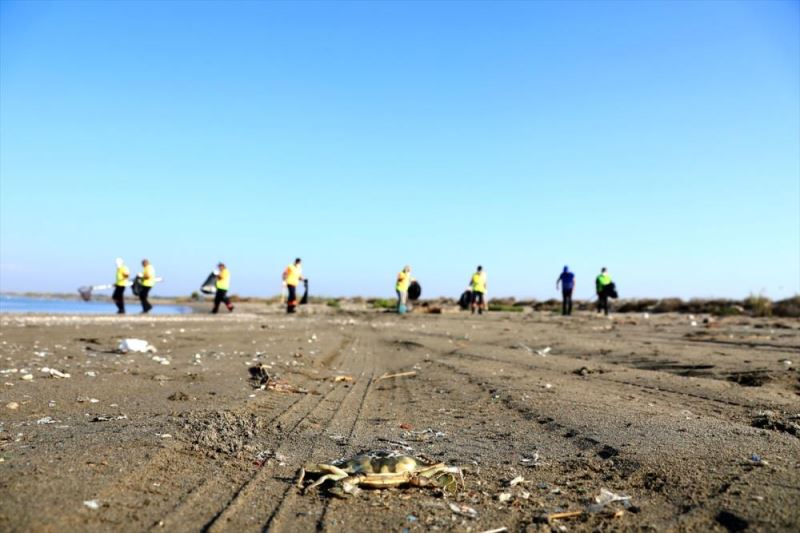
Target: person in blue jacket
{"points": [[567, 282]]}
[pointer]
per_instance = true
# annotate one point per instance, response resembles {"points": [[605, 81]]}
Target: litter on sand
{"points": [[463, 510], [604, 498], [398, 375], [92, 504], [544, 351], [55, 373], [337, 379], [136, 346]]}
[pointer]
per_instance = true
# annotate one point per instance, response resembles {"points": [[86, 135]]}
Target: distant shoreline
{"points": [[758, 306]]}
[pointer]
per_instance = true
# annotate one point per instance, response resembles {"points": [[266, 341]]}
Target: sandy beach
{"points": [[693, 423]]}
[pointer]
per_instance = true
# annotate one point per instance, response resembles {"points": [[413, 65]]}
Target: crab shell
{"points": [[380, 469]]}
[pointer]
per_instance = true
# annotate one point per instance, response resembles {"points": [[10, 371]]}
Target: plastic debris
{"points": [[544, 351], [161, 360], [103, 418], [497, 530], [55, 373], [604, 498], [531, 461], [27, 377], [516, 481], [463, 510], [503, 497], [399, 375], [136, 346], [91, 374], [337, 379], [92, 504], [46, 420], [12, 405]]}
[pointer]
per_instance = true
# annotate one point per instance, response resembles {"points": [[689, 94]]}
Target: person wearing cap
{"points": [[223, 284], [148, 276], [567, 282], [291, 277], [119, 286], [404, 280], [601, 286], [477, 284]]}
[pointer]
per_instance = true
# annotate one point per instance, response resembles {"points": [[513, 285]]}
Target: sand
{"points": [[697, 425]]}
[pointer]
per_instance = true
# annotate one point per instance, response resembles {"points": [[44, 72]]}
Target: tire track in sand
{"points": [[261, 501]]}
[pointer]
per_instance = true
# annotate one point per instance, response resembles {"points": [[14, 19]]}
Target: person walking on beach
{"points": [[477, 284], [223, 284], [291, 277], [148, 276], [404, 280], [601, 286], [119, 286], [567, 282]]}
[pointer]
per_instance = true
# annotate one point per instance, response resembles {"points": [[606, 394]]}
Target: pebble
{"points": [[27, 377]]}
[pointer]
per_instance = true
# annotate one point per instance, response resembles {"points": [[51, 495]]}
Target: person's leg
{"points": [[227, 301], [119, 299], [481, 303], [604, 303], [291, 301], [217, 300], [568, 301], [143, 292], [564, 296], [473, 302]]}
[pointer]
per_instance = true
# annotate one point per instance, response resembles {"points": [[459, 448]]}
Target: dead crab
{"points": [[382, 469]]}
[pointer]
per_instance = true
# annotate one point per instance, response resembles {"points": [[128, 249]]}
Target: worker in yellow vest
{"points": [[120, 282], [291, 277], [477, 284], [223, 284], [404, 280], [148, 276]]}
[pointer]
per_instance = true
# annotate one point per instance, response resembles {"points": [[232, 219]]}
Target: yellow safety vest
{"points": [[403, 281], [122, 275], [478, 282], [224, 280], [293, 274], [149, 276]]}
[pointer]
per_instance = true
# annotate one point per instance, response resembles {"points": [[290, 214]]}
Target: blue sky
{"points": [[660, 139]]}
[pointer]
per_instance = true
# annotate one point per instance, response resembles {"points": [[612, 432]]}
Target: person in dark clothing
{"points": [[119, 286], [567, 282], [223, 284], [147, 279], [602, 287]]}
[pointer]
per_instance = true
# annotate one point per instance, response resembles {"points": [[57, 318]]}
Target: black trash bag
{"points": [[414, 291], [136, 288], [304, 299], [466, 300], [209, 286], [611, 290]]}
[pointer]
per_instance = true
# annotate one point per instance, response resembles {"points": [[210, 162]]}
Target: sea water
{"points": [[26, 304]]}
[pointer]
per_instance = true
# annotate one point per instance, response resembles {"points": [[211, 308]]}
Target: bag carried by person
{"points": [[466, 300]]}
